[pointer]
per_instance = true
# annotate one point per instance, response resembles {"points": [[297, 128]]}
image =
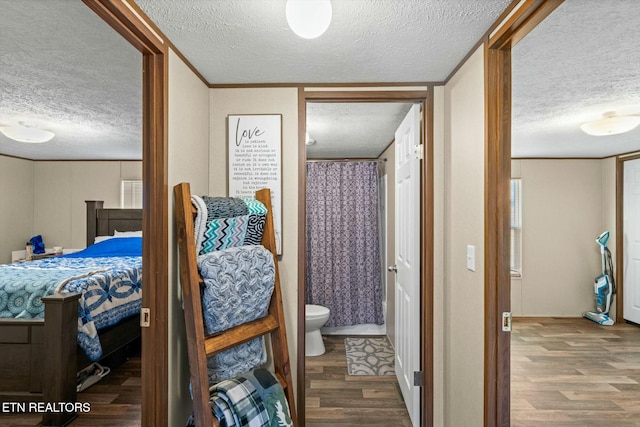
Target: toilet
{"points": [[315, 316]]}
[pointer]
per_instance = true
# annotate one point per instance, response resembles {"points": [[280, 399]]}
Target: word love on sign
{"points": [[255, 160], [246, 135]]}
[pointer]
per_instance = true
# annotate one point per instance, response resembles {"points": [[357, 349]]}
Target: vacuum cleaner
{"points": [[604, 286]]}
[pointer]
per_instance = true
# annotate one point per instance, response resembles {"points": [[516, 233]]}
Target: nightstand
{"points": [[19, 256]]}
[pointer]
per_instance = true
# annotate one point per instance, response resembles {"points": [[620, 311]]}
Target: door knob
{"points": [[393, 268]]}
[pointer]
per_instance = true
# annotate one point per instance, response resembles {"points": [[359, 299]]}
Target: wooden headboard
{"points": [[103, 222]]}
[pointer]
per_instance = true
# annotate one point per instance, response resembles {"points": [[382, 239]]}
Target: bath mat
{"points": [[369, 356]]}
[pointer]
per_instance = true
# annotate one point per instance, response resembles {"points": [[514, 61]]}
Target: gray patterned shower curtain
{"points": [[343, 253]]}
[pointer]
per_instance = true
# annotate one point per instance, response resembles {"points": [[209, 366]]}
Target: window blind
{"points": [[131, 194]]}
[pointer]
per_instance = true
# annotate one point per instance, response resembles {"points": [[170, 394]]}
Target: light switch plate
{"points": [[471, 257]]}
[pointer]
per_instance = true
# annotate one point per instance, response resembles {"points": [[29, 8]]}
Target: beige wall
{"points": [[390, 172], [566, 204], [16, 205], [438, 254], [266, 101], [609, 211], [61, 188], [463, 296], [47, 198], [188, 162]]}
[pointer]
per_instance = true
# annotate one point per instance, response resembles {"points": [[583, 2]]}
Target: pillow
{"points": [[99, 239], [127, 246], [117, 233]]}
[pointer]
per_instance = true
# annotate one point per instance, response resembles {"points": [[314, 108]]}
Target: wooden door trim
{"points": [[619, 276], [497, 369], [426, 98], [135, 27]]}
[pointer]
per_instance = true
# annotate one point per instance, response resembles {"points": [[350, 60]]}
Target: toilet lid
{"points": [[315, 310]]}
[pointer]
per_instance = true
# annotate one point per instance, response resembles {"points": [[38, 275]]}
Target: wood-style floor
{"points": [[115, 401], [335, 398], [574, 372], [564, 372]]}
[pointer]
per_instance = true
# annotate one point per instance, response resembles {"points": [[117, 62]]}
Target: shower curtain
{"points": [[343, 254]]}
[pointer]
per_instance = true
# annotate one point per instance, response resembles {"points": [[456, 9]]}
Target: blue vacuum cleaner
{"points": [[604, 286]]}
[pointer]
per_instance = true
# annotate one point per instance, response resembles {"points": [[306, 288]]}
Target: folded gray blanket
{"points": [[239, 282]]}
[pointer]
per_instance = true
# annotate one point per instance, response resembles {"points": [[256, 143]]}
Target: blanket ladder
{"points": [[200, 346]]}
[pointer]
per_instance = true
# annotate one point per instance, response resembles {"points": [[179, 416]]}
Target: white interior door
{"points": [[631, 225], [407, 231]]}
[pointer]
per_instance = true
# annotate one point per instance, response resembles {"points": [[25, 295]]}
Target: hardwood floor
{"points": [[115, 401], [335, 398], [564, 372], [574, 372]]}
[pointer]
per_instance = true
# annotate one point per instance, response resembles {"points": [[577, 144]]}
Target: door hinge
{"points": [[506, 321], [145, 317], [418, 151], [418, 379]]}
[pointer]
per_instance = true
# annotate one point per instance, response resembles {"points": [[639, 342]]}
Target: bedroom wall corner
{"points": [[464, 204], [275, 100], [16, 209], [188, 152]]}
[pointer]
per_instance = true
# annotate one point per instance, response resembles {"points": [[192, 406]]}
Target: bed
{"points": [[92, 310]]}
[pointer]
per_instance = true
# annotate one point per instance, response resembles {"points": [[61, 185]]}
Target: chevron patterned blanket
{"points": [[224, 222]]}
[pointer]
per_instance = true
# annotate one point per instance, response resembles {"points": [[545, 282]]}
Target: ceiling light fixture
{"points": [[25, 133], [308, 18], [610, 124]]}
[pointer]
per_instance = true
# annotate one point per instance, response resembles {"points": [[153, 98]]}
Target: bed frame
{"points": [[39, 359]]}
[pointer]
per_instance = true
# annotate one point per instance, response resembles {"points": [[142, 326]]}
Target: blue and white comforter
{"points": [[238, 282], [110, 289]]}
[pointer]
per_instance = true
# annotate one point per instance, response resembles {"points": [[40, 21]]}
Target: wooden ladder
{"points": [[199, 346]]}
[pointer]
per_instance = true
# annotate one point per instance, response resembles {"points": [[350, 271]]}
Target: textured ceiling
{"points": [[351, 130], [582, 61], [64, 69], [241, 41]]}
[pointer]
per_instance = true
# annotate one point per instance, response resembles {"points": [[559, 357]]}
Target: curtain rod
{"points": [[345, 160]]}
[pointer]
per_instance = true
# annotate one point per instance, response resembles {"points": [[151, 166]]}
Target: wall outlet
{"points": [[471, 257]]}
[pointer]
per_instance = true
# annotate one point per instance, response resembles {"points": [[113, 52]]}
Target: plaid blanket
{"points": [[254, 399]]}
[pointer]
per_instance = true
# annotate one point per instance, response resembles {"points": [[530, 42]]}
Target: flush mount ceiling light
{"points": [[610, 124], [26, 133], [308, 18]]}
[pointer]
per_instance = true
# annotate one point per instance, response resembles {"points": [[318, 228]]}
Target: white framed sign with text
{"points": [[255, 160]]}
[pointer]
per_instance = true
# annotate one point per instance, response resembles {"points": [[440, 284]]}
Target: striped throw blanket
{"points": [[224, 222], [254, 399]]}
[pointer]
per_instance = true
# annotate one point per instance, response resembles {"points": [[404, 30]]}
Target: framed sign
{"points": [[255, 160]]}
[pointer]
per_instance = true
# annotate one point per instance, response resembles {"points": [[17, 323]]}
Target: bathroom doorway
{"points": [[347, 153]]}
